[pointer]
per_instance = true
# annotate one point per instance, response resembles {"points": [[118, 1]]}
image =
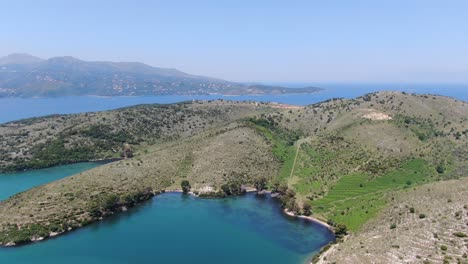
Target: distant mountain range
{"points": [[23, 75]]}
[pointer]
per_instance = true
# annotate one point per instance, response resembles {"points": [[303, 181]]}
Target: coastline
{"points": [[310, 218]]}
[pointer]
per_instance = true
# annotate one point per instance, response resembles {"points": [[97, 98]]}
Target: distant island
{"points": [[23, 75]]}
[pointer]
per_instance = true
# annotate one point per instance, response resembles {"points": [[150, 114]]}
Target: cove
{"points": [[173, 228]]}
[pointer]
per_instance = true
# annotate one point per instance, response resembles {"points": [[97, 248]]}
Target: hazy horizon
{"points": [[265, 41]]}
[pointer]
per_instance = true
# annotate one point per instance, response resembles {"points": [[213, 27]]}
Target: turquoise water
{"points": [[12, 183], [173, 228], [17, 108]]}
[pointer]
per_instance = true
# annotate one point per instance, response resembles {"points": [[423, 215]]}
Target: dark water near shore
{"points": [[174, 228], [18, 108]]}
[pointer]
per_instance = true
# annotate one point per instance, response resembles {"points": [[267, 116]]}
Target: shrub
{"points": [[422, 216], [443, 247], [392, 226], [411, 210], [459, 234]]}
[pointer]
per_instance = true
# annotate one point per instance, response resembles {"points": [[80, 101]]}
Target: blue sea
{"points": [[19, 108]]}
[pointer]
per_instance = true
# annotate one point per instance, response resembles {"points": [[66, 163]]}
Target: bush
{"points": [[443, 247], [422, 216], [411, 210], [392, 226]]}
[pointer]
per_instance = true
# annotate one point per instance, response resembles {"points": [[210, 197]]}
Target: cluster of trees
{"points": [[287, 197], [232, 188]]}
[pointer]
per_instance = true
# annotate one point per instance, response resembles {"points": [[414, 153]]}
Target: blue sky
{"points": [[277, 41]]}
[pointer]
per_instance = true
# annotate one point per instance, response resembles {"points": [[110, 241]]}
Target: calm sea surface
{"points": [[18, 108], [173, 228]]}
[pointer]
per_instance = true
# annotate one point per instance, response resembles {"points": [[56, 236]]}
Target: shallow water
{"points": [[173, 228]]}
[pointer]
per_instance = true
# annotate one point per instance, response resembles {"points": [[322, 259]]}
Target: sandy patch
{"points": [[376, 115]]}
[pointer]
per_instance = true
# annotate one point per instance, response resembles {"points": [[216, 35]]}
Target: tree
{"points": [[440, 168], [260, 183], [292, 205], [341, 230], [111, 202], [185, 186], [306, 209], [127, 151], [290, 193], [282, 189]]}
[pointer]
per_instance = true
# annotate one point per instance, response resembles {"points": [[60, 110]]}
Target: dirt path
{"points": [[292, 179]]}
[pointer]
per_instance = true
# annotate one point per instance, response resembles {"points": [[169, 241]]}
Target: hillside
{"points": [[426, 224], [61, 139], [348, 162], [23, 75]]}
